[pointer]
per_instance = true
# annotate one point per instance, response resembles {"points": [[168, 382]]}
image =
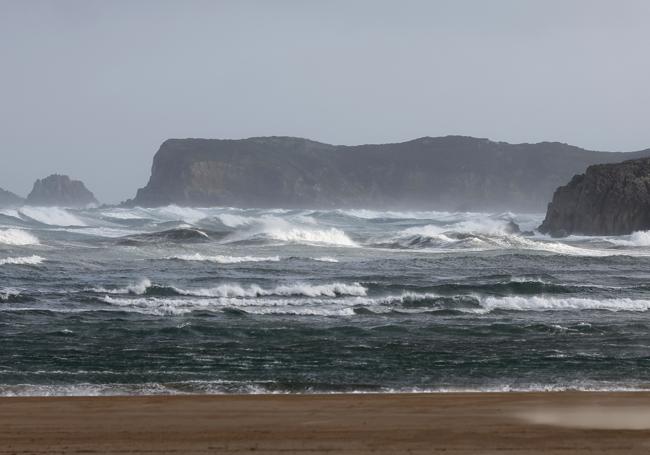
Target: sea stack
{"points": [[9, 199], [60, 190], [608, 199]]}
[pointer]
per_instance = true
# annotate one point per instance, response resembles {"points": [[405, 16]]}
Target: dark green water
{"points": [[171, 300]]}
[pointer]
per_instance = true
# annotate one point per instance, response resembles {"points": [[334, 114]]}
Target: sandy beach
{"points": [[465, 423]]}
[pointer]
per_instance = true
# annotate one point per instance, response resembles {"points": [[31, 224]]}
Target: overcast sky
{"points": [[91, 88]]}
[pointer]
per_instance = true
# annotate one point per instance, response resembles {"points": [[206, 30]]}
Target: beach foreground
{"points": [[562, 422]]}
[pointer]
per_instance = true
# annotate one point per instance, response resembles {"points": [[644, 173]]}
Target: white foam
{"points": [[299, 289], [124, 214], [331, 236], [180, 306], [537, 303], [10, 213], [220, 259], [53, 216], [234, 221], [302, 230], [325, 259], [17, 237], [638, 238], [187, 214], [138, 288], [489, 235], [26, 260], [7, 293]]}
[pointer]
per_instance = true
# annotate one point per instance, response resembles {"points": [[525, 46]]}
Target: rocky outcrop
{"points": [[608, 199], [448, 173], [60, 190], [9, 199]]}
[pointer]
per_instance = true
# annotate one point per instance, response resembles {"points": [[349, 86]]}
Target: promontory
{"points": [[443, 173], [608, 199]]}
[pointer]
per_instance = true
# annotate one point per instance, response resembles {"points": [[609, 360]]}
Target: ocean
{"points": [[171, 300]]}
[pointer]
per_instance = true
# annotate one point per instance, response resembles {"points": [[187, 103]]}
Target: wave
{"points": [[219, 259], [490, 237], [53, 216], [138, 288], [17, 237], [563, 304], [145, 286], [324, 259], [339, 299], [26, 260], [638, 238], [232, 305], [174, 212], [269, 387], [307, 290], [331, 236], [179, 235], [299, 229]]}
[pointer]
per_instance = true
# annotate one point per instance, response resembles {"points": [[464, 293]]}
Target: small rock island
{"points": [[9, 199], [60, 190], [608, 199]]}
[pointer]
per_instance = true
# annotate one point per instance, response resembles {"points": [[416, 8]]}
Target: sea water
{"points": [[226, 300]]}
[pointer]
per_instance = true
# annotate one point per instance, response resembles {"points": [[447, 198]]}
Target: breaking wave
{"points": [[145, 286], [331, 236], [220, 259], [481, 236], [26, 260], [324, 259], [537, 303], [17, 237], [638, 238], [352, 299], [53, 216]]}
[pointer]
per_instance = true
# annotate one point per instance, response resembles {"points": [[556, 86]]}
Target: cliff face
{"points": [[608, 199], [454, 173], [60, 190], [9, 199]]}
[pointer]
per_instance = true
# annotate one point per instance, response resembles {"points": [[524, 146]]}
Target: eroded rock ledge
{"points": [[608, 199]]}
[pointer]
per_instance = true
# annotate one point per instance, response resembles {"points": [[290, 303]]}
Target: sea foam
{"points": [[17, 237], [220, 259], [53, 216], [26, 260]]}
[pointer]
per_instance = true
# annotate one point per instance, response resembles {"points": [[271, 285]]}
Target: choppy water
{"points": [[175, 300]]}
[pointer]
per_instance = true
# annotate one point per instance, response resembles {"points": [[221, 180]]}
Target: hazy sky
{"points": [[91, 88]]}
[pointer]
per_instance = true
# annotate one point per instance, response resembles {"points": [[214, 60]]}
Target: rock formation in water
{"points": [[61, 191], [608, 199], [9, 199], [445, 173]]}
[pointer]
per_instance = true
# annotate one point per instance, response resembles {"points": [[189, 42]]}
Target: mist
{"points": [[91, 89]]}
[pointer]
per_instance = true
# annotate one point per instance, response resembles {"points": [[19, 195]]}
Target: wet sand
{"points": [[464, 423]]}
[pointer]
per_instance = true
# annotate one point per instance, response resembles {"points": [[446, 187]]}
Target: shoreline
{"points": [[467, 422]]}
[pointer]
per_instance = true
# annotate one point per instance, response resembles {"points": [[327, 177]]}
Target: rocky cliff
{"points": [[9, 199], [608, 199], [453, 173], [60, 190]]}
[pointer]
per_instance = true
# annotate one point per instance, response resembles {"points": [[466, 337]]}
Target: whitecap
{"points": [[298, 289], [17, 237], [638, 238], [53, 216], [325, 259], [26, 260], [537, 303], [220, 259], [138, 288]]}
